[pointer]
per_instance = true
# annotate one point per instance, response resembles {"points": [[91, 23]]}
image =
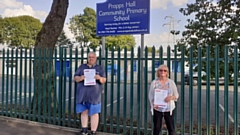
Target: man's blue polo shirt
{"points": [[92, 93]]}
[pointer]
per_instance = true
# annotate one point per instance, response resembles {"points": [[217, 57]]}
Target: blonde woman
{"points": [[168, 86]]}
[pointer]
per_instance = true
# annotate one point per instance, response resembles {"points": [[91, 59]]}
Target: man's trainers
{"points": [[83, 133], [93, 133]]}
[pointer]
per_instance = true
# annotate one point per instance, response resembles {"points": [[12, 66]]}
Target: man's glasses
{"points": [[163, 70]]}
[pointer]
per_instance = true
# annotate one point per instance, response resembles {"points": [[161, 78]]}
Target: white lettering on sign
{"points": [[121, 18], [115, 6], [118, 12], [138, 11], [131, 4]]}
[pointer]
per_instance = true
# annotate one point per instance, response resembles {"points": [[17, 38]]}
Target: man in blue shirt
{"points": [[88, 98]]}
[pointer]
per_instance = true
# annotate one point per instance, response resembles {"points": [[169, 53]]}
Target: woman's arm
{"points": [[151, 93], [175, 91]]}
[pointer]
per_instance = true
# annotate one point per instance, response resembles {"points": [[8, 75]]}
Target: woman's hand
{"points": [[155, 106], [168, 98]]}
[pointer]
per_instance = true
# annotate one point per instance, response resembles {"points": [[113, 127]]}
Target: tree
{"points": [[150, 49], [52, 27], [1, 30], [33, 27], [63, 40], [19, 31], [83, 27], [121, 42], [214, 24]]}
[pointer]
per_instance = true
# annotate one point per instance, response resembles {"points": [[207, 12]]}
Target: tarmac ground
{"points": [[13, 126]]}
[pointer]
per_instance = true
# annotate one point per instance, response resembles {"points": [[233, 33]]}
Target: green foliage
{"points": [[83, 27], [121, 42], [19, 31], [214, 24], [150, 50], [63, 40]]}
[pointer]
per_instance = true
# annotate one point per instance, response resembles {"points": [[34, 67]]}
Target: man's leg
{"points": [[94, 122], [84, 119]]}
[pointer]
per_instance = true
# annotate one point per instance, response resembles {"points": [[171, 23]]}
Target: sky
{"points": [[161, 14]]}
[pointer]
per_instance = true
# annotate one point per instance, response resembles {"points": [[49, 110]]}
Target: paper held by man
{"points": [[159, 97], [89, 77]]}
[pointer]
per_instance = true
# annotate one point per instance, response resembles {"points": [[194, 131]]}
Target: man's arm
{"points": [[102, 80]]}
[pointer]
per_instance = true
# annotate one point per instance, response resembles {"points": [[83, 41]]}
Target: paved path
{"points": [[12, 126]]}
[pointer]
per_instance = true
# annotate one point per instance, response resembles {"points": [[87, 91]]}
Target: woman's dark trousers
{"points": [[169, 119]]}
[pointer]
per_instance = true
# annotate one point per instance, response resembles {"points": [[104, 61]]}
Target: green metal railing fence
{"points": [[208, 104]]}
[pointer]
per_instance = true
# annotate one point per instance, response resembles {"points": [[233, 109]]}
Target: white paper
{"points": [[159, 97], [89, 76]]}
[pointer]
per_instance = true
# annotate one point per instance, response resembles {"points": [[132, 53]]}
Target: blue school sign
{"points": [[118, 17]]}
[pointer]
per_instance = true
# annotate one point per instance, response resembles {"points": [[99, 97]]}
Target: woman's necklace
{"points": [[163, 81]]}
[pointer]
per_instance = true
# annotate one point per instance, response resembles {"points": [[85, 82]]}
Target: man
{"points": [[88, 99]]}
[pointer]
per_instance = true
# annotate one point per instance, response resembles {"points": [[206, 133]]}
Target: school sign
{"points": [[118, 17]]}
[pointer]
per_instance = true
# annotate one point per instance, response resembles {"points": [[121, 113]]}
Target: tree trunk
{"points": [[43, 58]]}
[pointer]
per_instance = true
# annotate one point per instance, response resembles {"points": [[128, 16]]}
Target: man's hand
{"points": [[79, 78], [100, 79], [97, 77]]}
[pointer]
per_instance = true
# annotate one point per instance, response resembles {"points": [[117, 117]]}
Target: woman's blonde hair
{"points": [[161, 66]]}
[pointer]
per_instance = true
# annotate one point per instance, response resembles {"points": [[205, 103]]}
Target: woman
{"points": [[164, 84]]}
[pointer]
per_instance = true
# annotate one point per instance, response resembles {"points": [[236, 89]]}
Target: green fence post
{"points": [[70, 89], [199, 92], [146, 92], [191, 92], [111, 90], [182, 91], [3, 83], [60, 81], [226, 63], [161, 55], [208, 92], [131, 91], [139, 117], [16, 84], [44, 86], [30, 86], [55, 105], [40, 88], [7, 84], [125, 91], [50, 86], [118, 89], [25, 84], [175, 80], [169, 59], [217, 125], [153, 63], [105, 91], [14, 91], [20, 86], [235, 99], [35, 84], [75, 87], [64, 87]]}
